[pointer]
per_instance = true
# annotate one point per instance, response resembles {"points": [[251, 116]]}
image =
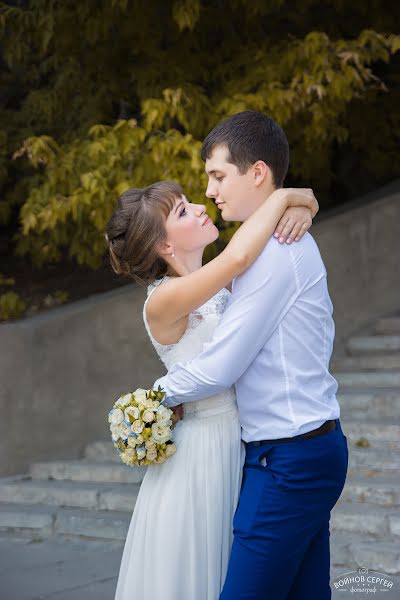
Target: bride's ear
{"points": [[164, 248]]}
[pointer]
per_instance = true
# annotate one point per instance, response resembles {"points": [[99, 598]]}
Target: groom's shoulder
{"points": [[307, 246], [290, 256], [300, 260]]}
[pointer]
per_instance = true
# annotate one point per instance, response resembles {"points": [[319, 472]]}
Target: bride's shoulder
{"points": [[156, 293]]}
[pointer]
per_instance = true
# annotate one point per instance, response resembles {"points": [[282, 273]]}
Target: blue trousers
{"points": [[281, 526]]}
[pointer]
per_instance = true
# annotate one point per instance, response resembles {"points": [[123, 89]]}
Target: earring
{"points": [[173, 255]]}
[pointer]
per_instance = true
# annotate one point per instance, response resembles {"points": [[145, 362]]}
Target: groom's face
{"points": [[234, 194]]}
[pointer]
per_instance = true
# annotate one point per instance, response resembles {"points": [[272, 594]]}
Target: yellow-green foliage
{"points": [[6, 280], [104, 96], [61, 296], [11, 306]]}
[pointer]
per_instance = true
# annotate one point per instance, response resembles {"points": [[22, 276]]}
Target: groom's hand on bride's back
{"points": [[297, 218]]}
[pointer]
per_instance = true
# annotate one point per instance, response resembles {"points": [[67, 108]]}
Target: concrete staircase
{"points": [[94, 497], [366, 520]]}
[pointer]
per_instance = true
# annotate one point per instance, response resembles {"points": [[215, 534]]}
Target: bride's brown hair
{"points": [[136, 227]]}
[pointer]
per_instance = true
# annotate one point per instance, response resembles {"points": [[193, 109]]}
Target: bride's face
{"points": [[189, 228]]}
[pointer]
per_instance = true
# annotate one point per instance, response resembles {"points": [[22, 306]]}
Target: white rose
{"points": [[132, 411], [160, 433], [116, 417], [137, 426], [139, 439], [150, 443], [170, 450], [151, 454], [128, 456], [140, 395], [124, 430], [131, 441], [141, 452], [125, 400], [115, 432], [163, 414], [148, 416]]}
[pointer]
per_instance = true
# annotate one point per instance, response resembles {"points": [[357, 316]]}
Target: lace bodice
{"points": [[201, 325]]}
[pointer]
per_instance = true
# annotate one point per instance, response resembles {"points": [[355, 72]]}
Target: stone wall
{"points": [[61, 371], [360, 246]]}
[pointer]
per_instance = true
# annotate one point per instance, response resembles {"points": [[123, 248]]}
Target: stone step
{"points": [[361, 550], [379, 489], [50, 520], [376, 403], [14, 517], [388, 326], [102, 451], [86, 470], [346, 547], [366, 362], [364, 460], [98, 496], [375, 433], [380, 522], [111, 525], [373, 344], [367, 379]]}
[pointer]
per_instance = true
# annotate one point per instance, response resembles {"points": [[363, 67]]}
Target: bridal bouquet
{"points": [[141, 428]]}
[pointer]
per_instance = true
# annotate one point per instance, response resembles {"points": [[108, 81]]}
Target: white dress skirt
{"points": [[180, 535]]}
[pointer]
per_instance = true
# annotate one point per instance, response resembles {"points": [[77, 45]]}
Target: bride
{"points": [[180, 535]]}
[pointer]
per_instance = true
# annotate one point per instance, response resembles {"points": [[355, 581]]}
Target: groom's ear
{"points": [[261, 173]]}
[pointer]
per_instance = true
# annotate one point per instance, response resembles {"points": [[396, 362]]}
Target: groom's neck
{"points": [[257, 198]]}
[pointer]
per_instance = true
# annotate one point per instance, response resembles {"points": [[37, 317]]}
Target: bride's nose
{"points": [[200, 209]]}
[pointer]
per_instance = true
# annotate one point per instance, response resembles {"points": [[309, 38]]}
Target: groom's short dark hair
{"points": [[251, 136]]}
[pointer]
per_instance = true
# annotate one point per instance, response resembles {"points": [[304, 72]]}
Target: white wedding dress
{"points": [[180, 535]]}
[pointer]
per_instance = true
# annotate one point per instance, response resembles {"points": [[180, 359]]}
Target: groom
{"points": [[274, 342]]}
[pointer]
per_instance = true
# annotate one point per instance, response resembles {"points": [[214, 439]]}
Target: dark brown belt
{"points": [[325, 428]]}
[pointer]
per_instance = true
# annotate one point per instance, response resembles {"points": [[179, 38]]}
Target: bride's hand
{"points": [[294, 224], [297, 219]]}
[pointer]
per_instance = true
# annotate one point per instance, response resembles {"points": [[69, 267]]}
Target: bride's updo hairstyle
{"points": [[135, 228]]}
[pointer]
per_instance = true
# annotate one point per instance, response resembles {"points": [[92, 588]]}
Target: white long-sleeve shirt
{"points": [[274, 342]]}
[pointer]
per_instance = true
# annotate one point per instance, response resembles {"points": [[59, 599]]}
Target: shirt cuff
{"points": [[168, 399]]}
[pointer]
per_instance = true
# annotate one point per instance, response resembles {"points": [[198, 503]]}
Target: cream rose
{"points": [[170, 450], [115, 432], [125, 400], [128, 456], [160, 433], [139, 439], [131, 441], [141, 452], [124, 430], [116, 417], [150, 443], [140, 395], [163, 415], [148, 416], [137, 426], [132, 411], [151, 454]]}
